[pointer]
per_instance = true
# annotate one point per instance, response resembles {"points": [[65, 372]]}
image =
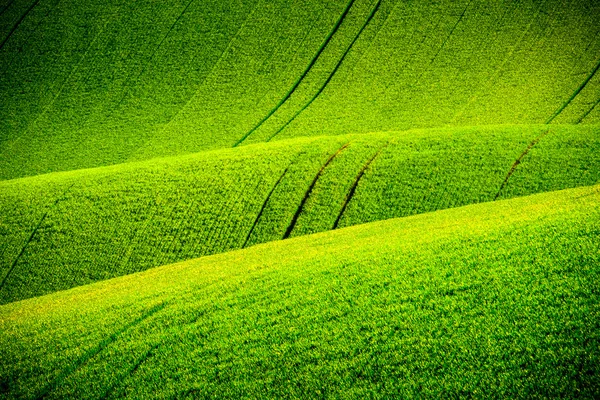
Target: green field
{"points": [[299, 199], [488, 300]]}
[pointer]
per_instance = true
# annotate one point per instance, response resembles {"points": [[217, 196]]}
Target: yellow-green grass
{"points": [[61, 230], [494, 300], [97, 82]]}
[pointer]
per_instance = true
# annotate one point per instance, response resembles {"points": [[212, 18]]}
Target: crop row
{"points": [[490, 300], [68, 229]]}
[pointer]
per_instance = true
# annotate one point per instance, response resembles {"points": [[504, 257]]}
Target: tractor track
{"points": [[333, 72], [302, 76], [290, 228]]}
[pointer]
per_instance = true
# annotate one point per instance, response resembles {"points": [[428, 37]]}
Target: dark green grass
{"points": [[488, 301], [85, 84], [68, 229]]}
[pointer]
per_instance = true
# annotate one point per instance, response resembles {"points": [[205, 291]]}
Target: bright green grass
{"points": [[96, 82], [495, 300], [61, 230]]}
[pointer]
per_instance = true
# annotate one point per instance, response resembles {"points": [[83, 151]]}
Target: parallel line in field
{"points": [[577, 91], [221, 56], [97, 349], [332, 73], [147, 354], [518, 161], [145, 67], [290, 228], [302, 76], [18, 23], [588, 112], [352, 190], [262, 209], [33, 233]]}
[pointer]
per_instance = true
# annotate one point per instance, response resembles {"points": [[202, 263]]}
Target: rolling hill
{"points": [[490, 300], [91, 83], [299, 199], [68, 229]]}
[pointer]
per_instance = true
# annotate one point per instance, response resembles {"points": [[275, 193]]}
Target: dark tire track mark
{"points": [[33, 233], [352, 190], [333, 72], [290, 228], [518, 161], [302, 76], [95, 350], [577, 91], [588, 112], [262, 209], [18, 23]]}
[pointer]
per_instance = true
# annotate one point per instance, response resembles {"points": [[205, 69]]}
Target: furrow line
{"points": [[147, 354], [302, 76], [290, 228], [262, 209], [221, 56], [518, 161], [97, 349], [145, 67], [33, 233], [333, 72], [352, 191], [18, 23], [577, 91], [588, 111]]}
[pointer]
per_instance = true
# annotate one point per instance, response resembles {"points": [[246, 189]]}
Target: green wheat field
{"points": [[299, 199]]}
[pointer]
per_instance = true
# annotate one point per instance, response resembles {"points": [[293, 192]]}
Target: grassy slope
{"points": [[489, 300], [68, 229], [85, 85]]}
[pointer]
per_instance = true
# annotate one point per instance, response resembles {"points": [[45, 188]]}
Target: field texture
{"points": [[68, 229], [490, 300], [299, 199], [98, 82]]}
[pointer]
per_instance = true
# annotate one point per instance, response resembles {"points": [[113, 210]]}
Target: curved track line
{"points": [[262, 209], [18, 23], [209, 72], [145, 68], [588, 111], [35, 230], [290, 228], [518, 161], [95, 350], [577, 91], [333, 72], [302, 76], [350, 194]]}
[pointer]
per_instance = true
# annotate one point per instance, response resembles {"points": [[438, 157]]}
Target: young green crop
{"points": [[85, 84], [68, 229], [490, 300]]}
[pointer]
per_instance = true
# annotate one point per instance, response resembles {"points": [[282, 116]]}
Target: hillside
{"points": [[63, 230], [92, 83], [490, 300]]}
